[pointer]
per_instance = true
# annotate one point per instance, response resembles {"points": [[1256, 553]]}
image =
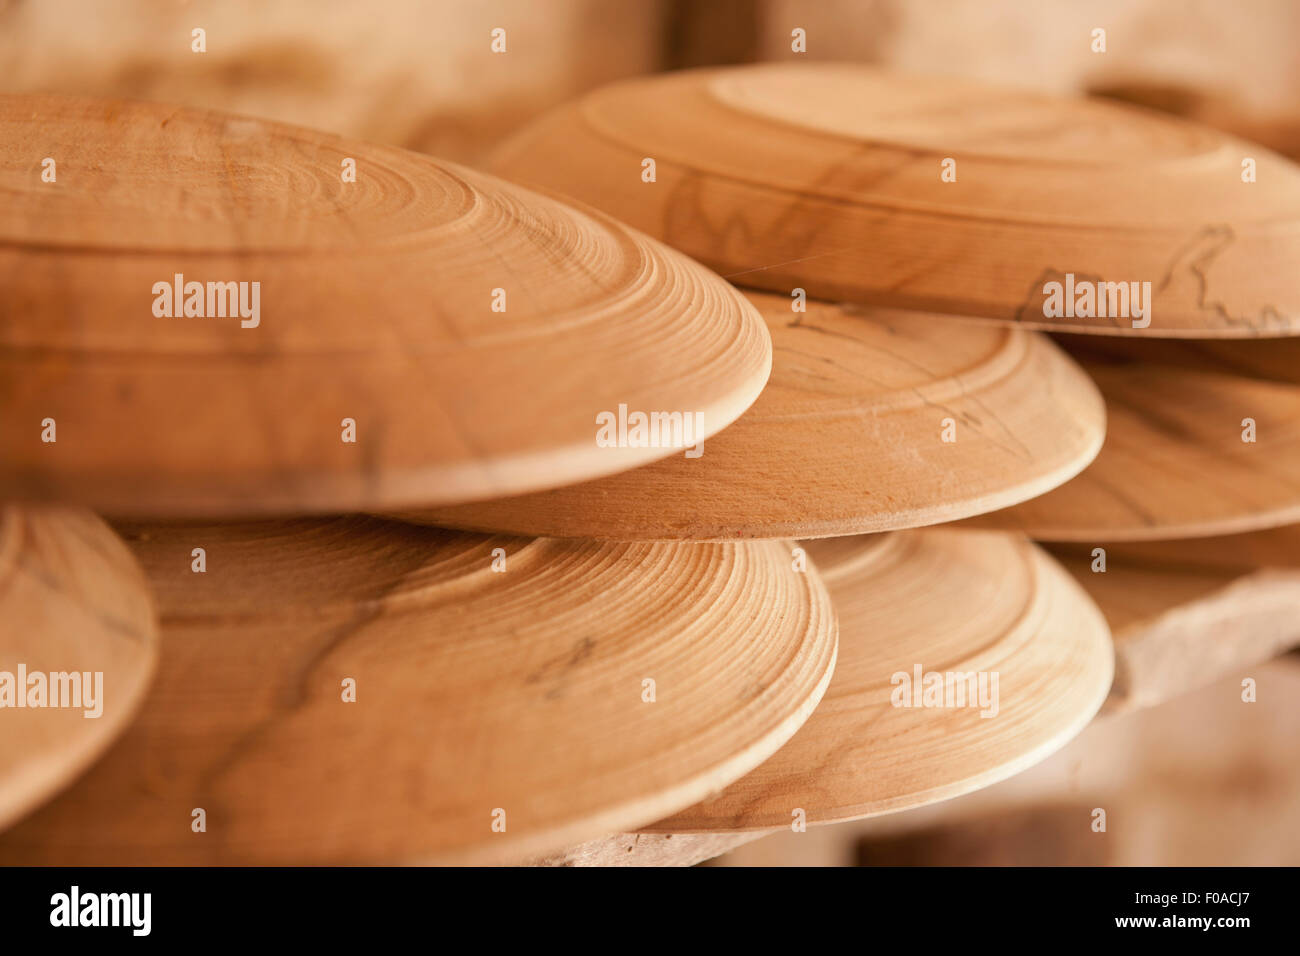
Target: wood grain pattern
{"points": [[375, 305], [73, 603], [948, 601], [847, 438], [475, 691], [1187, 613], [827, 177], [1174, 464]]}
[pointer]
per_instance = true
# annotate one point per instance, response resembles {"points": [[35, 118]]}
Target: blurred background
{"points": [[1202, 779], [420, 73]]}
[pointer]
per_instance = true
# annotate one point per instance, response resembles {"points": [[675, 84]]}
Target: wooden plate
{"points": [[1174, 464], [828, 177], [848, 437], [375, 304], [944, 601], [475, 692], [78, 645], [1187, 613], [1159, 774]]}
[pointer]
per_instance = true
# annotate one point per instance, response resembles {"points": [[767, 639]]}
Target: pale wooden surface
{"points": [[1185, 613], [376, 305], [949, 601], [475, 690], [827, 177], [1174, 464], [847, 438], [72, 599], [649, 849]]}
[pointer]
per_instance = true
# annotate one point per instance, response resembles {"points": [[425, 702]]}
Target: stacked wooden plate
{"points": [[78, 646], [935, 194], [219, 323], [207, 317], [1184, 527], [573, 624], [919, 206], [869, 423], [353, 691]]}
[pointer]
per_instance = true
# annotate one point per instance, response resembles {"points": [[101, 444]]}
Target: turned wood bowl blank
{"points": [[827, 177], [849, 437], [1175, 463], [375, 303], [73, 604], [521, 690], [945, 601]]}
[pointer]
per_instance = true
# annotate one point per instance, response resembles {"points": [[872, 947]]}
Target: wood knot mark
{"points": [[557, 670]]}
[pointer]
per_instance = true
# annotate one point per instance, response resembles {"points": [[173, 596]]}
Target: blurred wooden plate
{"points": [[828, 177], [1174, 464], [847, 438], [475, 691], [1187, 613], [74, 604], [376, 305], [946, 601]]}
